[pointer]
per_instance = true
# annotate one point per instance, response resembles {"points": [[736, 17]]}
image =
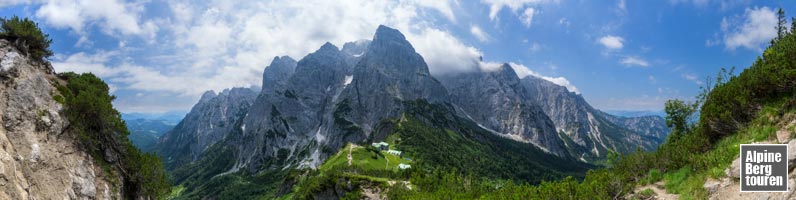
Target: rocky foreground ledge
{"points": [[37, 160]]}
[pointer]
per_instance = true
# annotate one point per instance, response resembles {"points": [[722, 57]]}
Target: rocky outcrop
{"points": [[39, 158], [276, 74]]}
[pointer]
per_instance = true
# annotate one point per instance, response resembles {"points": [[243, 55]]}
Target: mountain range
{"points": [[368, 91]]}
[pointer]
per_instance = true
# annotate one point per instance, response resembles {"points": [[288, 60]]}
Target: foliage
{"points": [[369, 167], [680, 116], [102, 132], [436, 138], [26, 36], [653, 176]]}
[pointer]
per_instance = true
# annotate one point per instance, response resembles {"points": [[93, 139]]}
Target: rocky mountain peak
{"points": [[355, 48], [327, 53], [277, 73], [327, 48], [390, 38], [210, 94], [507, 74], [390, 51]]}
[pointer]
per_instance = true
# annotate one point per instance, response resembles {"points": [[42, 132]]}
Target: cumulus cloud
{"points": [[113, 17], [752, 30], [479, 34], [523, 71], [444, 53], [527, 17], [443, 7], [634, 61], [218, 44], [611, 42]]}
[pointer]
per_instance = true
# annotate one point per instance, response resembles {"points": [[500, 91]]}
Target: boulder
{"points": [[783, 136], [735, 169], [712, 185]]}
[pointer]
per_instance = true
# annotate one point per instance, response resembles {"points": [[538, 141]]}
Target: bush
{"points": [[26, 36], [101, 131]]}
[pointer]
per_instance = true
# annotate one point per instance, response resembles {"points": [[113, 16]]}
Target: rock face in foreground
{"points": [[39, 159]]}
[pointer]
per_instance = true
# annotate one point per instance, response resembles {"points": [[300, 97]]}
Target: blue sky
{"points": [[159, 56]]}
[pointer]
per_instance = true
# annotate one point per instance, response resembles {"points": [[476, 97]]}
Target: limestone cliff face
{"points": [[210, 121], [497, 100], [591, 133], [39, 159]]}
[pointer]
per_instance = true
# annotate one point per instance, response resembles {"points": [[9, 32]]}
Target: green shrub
{"points": [[653, 176], [100, 129], [26, 36]]}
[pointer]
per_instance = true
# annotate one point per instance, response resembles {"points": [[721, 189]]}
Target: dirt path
{"points": [[350, 148], [660, 192], [406, 183]]}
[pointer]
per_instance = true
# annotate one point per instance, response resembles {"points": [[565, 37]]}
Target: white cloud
{"points": [[634, 61], [219, 44], [523, 71], [444, 53], [752, 31], [692, 77], [611, 42], [83, 63], [514, 5], [5, 3], [196, 46], [114, 17], [443, 7], [479, 34], [527, 17]]}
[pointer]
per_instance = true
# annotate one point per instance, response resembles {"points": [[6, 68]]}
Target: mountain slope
{"points": [[209, 121], [144, 133], [497, 101], [591, 133], [547, 115], [433, 139]]}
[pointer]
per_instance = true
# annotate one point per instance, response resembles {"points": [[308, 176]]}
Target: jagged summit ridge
{"points": [[277, 73]]}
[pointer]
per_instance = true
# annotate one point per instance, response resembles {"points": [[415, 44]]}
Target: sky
{"points": [[159, 56]]}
